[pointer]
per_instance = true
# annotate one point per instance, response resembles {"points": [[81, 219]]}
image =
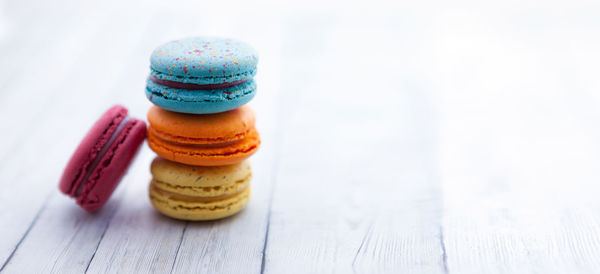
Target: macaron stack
{"points": [[201, 128]]}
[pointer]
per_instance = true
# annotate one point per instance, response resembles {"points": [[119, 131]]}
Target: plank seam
{"points": [[276, 153], [33, 222], [278, 140], [365, 239], [101, 238], [179, 245], [263, 260], [444, 254], [268, 225]]}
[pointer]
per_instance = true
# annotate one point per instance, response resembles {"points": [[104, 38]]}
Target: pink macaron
{"points": [[102, 158]]}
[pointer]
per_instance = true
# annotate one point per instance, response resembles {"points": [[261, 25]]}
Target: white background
{"points": [[398, 137]]}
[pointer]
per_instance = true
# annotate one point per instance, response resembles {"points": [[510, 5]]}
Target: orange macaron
{"points": [[203, 140]]}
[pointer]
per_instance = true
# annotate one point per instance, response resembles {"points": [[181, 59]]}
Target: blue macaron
{"points": [[202, 75]]}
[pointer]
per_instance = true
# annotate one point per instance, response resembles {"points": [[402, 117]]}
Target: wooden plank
{"points": [[26, 44], [137, 239], [519, 157], [354, 188], [39, 62], [15, 169], [63, 239], [57, 145], [457, 148]]}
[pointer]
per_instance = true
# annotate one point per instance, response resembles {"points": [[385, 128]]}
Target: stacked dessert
{"points": [[201, 128]]}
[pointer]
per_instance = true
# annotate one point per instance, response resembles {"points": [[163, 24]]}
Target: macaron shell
{"points": [[194, 129], [200, 101], [204, 60], [206, 156], [89, 148], [107, 175], [198, 211], [199, 176]]}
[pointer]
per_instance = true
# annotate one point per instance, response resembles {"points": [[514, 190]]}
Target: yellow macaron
{"points": [[199, 192]]}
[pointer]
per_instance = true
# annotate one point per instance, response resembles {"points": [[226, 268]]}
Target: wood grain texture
{"points": [[355, 186], [21, 150], [519, 167], [418, 138]]}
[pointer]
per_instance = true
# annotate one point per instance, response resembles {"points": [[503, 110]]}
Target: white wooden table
{"points": [[416, 138]]}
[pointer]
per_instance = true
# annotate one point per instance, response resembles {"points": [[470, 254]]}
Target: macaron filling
{"points": [[199, 210], [201, 142], [180, 85], [203, 191], [196, 199], [90, 169], [218, 77], [243, 90], [212, 146]]}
